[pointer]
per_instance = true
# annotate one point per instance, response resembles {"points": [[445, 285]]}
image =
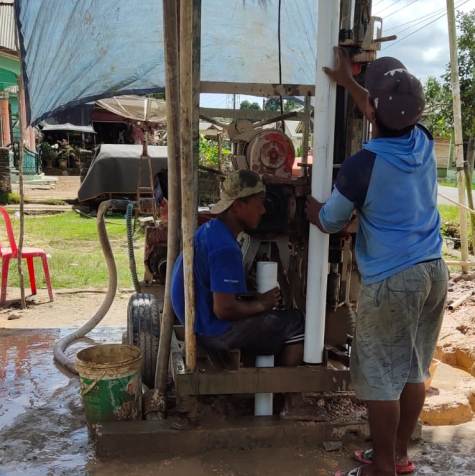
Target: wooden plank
{"points": [[188, 172], [260, 380], [161, 439], [174, 190], [246, 114], [258, 89], [306, 133]]}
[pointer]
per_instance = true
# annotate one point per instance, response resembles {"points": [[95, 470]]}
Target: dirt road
{"points": [[64, 188], [71, 308]]}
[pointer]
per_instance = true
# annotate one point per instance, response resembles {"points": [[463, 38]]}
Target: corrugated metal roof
{"points": [[7, 25]]}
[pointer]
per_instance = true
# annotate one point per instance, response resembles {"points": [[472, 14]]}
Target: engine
{"points": [[282, 236]]}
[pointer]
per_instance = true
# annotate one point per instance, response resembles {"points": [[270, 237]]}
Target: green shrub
{"points": [[9, 198]]}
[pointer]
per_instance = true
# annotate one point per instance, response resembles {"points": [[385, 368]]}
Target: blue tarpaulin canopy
{"points": [[76, 51]]}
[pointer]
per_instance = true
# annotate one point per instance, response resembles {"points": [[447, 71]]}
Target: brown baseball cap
{"points": [[397, 95], [239, 184]]}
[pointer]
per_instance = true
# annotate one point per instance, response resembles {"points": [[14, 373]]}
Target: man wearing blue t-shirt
{"points": [[392, 183], [226, 316]]}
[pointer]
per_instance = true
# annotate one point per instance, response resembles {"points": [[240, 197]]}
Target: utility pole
{"points": [[459, 160]]}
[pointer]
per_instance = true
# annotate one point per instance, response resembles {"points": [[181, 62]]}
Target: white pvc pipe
{"points": [[263, 402], [266, 279], [328, 16], [266, 276]]}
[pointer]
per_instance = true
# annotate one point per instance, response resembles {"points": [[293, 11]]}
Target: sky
{"points": [[425, 51], [422, 44]]}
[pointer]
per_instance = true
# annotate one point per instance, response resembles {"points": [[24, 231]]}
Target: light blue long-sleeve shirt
{"points": [[392, 182]]}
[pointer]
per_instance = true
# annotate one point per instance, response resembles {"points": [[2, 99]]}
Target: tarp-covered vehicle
{"points": [[115, 170]]}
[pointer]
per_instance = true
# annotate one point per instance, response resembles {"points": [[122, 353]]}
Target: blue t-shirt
{"points": [[218, 267], [392, 182]]}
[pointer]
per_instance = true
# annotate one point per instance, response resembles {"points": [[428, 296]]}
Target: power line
{"points": [[380, 2], [422, 27], [417, 21], [387, 6], [398, 9]]}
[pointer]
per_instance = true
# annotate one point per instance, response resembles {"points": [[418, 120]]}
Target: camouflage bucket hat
{"points": [[239, 184]]}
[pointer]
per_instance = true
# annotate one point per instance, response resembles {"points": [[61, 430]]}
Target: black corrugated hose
{"points": [[130, 246]]}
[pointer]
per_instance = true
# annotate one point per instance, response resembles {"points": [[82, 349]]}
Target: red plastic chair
{"points": [[7, 253]]}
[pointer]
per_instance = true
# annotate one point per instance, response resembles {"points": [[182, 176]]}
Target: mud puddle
{"points": [[43, 429], [42, 426]]}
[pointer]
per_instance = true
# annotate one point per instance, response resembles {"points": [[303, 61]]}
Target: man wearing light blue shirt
{"points": [[392, 184]]}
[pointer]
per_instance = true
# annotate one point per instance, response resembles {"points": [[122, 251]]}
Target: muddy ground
{"points": [[43, 430], [456, 344]]}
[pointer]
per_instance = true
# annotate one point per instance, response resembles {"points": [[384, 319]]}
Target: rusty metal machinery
{"points": [[270, 151], [282, 236]]}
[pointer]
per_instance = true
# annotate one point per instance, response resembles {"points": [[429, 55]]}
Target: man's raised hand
{"points": [[342, 73]]}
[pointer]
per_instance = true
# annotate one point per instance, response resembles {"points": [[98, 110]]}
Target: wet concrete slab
{"points": [[43, 430], [42, 426]]}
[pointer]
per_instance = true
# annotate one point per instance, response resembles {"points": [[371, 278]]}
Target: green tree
{"points": [[209, 156], [291, 105], [248, 105], [273, 104], [160, 95], [439, 111], [466, 57]]}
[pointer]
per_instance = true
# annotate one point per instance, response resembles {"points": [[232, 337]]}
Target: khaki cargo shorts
{"points": [[397, 327]]}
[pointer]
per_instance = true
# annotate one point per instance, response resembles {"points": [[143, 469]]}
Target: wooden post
{"points": [[189, 16], [306, 134], [170, 23], [454, 69], [468, 167], [220, 150], [468, 164], [5, 133], [195, 91], [22, 116]]}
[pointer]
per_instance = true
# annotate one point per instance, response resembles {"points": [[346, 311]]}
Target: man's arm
{"points": [[336, 214], [343, 76], [312, 210], [332, 216], [228, 307]]}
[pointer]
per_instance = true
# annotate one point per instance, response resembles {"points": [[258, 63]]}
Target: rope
{"points": [[456, 203]]}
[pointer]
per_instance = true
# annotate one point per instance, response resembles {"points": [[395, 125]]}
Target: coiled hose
{"points": [[61, 346], [130, 246]]}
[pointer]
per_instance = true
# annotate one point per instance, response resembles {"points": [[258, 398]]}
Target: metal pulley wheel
{"points": [[271, 152], [143, 331]]}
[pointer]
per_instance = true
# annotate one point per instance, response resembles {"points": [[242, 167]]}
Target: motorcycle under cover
{"points": [[75, 51]]}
